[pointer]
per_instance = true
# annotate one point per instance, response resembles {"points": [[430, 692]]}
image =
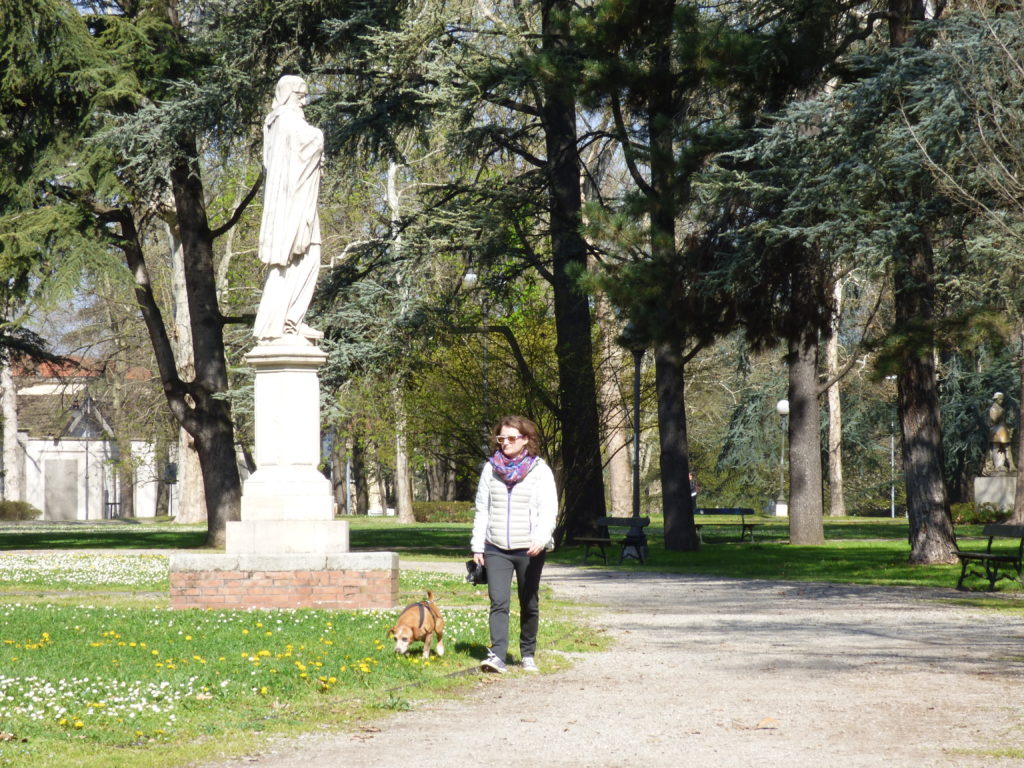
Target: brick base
{"points": [[335, 582]]}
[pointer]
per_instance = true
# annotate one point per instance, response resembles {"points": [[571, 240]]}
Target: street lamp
{"points": [[892, 460], [636, 540], [781, 506]]}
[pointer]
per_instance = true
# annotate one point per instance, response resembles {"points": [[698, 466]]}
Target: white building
{"points": [[67, 460]]}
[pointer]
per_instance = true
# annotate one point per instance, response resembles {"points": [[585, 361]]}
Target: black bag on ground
{"points": [[475, 574]]}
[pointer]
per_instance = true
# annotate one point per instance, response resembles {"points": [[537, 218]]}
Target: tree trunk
{"points": [[616, 423], [14, 484], [440, 479], [1017, 518], [189, 498], [339, 475], [583, 480], [932, 539], [805, 512], [677, 502], [680, 531], [837, 502], [163, 488], [208, 416], [359, 477], [403, 476]]}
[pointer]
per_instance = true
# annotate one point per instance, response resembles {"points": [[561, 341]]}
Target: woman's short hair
{"points": [[525, 427]]}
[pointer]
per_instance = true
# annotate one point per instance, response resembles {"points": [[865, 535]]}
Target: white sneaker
{"points": [[493, 664], [529, 665]]}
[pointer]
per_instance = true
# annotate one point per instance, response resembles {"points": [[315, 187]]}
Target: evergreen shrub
{"points": [[18, 510], [969, 513], [443, 511]]}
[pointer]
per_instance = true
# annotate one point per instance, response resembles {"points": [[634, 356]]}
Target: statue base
{"points": [[287, 551], [997, 490]]}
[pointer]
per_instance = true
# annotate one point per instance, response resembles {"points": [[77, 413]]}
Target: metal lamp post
{"points": [[781, 505], [636, 540], [892, 460]]}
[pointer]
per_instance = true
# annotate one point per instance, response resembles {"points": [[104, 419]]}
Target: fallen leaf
{"points": [[767, 724]]}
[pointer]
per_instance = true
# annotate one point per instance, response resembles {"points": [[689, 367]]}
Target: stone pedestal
{"points": [[997, 490], [287, 551], [287, 507]]}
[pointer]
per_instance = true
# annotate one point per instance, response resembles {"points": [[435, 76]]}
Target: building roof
{"points": [[54, 399]]}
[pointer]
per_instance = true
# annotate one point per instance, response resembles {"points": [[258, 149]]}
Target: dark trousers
{"points": [[501, 564]]}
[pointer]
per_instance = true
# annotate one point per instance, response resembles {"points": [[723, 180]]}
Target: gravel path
{"points": [[717, 672]]}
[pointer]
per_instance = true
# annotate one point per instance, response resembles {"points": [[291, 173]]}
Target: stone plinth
{"points": [[287, 551], [286, 484], [287, 507], [350, 581], [997, 490]]}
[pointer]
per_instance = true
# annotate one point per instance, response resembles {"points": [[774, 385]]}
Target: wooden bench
{"points": [[743, 512], [994, 561], [629, 545]]}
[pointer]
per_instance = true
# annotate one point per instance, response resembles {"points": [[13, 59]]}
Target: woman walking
{"points": [[516, 510]]}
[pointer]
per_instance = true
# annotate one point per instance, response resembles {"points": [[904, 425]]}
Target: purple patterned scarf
{"points": [[512, 471]]}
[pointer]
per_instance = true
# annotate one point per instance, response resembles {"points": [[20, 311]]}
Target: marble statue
{"points": [[999, 437], [290, 228]]}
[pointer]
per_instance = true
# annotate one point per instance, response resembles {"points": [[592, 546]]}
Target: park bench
{"points": [[629, 548], [994, 561], [743, 513]]}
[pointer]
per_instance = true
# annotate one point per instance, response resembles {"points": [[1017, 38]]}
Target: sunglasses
{"points": [[510, 438]]}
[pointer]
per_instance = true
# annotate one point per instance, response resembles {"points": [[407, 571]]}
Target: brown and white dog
{"points": [[419, 621]]}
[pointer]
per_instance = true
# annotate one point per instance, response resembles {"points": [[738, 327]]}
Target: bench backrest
{"points": [[1003, 531], [725, 511], [623, 522]]}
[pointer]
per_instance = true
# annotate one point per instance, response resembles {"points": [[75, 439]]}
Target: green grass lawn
{"points": [[857, 550], [100, 535], [127, 682]]}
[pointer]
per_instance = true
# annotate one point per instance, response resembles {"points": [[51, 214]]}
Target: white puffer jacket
{"points": [[519, 518]]}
